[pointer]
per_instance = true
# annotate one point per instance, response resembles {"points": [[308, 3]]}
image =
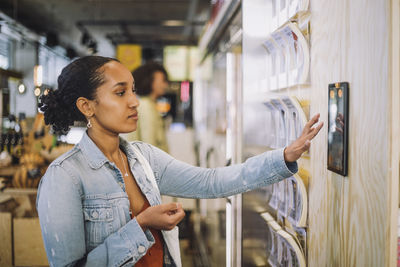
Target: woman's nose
{"points": [[133, 100]]}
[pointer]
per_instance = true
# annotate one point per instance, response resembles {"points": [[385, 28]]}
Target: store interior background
{"points": [[222, 75]]}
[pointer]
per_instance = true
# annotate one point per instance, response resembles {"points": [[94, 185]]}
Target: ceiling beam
{"points": [[164, 23], [188, 30], [147, 39]]}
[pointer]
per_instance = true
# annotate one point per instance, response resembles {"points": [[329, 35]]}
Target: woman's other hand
{"points": [[161, 217], [294, 151]]}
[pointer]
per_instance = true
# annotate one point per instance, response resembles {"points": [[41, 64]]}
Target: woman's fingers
{"points": [[314, 131], [162, 217], [177, 216], [311, 122], [294, 151], [170, 207]]}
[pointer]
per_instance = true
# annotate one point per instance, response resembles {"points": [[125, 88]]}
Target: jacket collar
{"points": [[95, 156]]}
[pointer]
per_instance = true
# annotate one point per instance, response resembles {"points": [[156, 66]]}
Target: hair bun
{"points": [[56, 112]]}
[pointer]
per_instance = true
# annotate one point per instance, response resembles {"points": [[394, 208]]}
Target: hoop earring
{"points": [[89, 124]]}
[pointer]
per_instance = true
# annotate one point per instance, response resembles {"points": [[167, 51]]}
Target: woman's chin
{"points": [[128, 130]]}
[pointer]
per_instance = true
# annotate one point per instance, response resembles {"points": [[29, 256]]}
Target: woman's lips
{"points": [[134, 116]]}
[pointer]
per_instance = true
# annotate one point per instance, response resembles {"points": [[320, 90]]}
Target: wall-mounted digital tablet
{"points": [[338, 126]]}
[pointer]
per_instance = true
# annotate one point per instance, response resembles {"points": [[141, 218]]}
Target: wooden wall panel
{"points": [[393, 186], [348, 216]]}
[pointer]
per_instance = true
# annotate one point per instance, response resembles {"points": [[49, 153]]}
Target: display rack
{"points": [[285, 249], [276, 68]]}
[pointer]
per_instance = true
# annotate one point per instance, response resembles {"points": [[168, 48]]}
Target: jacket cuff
{"points": [[139, 240], [280, 166]]}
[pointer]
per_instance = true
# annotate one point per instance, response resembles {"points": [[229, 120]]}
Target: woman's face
{"points": [[115, 105], [160, 84]]}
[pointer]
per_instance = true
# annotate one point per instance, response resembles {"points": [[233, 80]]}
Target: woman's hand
{"points": [[161, 217], [294, 151]]}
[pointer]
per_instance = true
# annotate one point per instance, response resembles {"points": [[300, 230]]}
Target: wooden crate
{"points": [[28, 243], [5, 237]]}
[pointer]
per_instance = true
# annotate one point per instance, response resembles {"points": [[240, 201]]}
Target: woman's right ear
{"points": [[84, 106]]}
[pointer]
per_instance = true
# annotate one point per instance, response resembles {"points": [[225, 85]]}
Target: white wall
{"points": [[25, 60]]}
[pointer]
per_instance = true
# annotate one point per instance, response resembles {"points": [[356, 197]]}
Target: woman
{"points": [[99, 204], [151, 82]]}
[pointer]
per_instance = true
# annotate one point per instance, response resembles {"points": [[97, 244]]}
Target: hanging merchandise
{"points": [[286, 249], [297, 6], [293, 7], [272, 133], [283, 59], [276, 253], [293, 249], [292, 124], [291, 41], [282, 201], [302, 54], [299, 234], [281, 119], [298, 201], [285, 123], [272, 63], [288, 57], [283, 11], [274, 23], [289, 199], [296, 118], [273, 252], [273, 202]]}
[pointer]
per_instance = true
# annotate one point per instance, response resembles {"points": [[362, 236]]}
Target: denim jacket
{"points": [[84, 209]]}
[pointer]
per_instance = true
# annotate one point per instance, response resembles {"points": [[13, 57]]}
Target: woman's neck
{"points": [[107, 142]]}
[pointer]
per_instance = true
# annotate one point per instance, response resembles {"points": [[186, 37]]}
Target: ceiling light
{"points": [[21, 88], [173, 23], [37, 91]]}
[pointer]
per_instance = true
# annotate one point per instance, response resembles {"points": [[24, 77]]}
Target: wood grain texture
{"points": [[28, 243], [393, 186], [348, 218], [6, 240]]}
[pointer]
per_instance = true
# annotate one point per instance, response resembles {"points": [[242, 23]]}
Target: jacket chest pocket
{"points": [[98, 224]]}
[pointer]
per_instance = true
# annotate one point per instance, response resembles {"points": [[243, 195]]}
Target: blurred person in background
{"points": [[151, 81]]}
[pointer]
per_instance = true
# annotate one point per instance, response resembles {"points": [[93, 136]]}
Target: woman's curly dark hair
{"points": [[144, 77], [80, 78]]}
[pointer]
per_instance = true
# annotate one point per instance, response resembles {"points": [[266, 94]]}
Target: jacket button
{"points": [[95, 214], [141, 249]]}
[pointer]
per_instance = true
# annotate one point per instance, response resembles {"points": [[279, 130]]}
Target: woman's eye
{"points": [[134, 90], [120, 93]]}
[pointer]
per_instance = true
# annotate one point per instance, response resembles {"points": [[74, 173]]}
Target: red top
{"points": [[155, 254]]}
